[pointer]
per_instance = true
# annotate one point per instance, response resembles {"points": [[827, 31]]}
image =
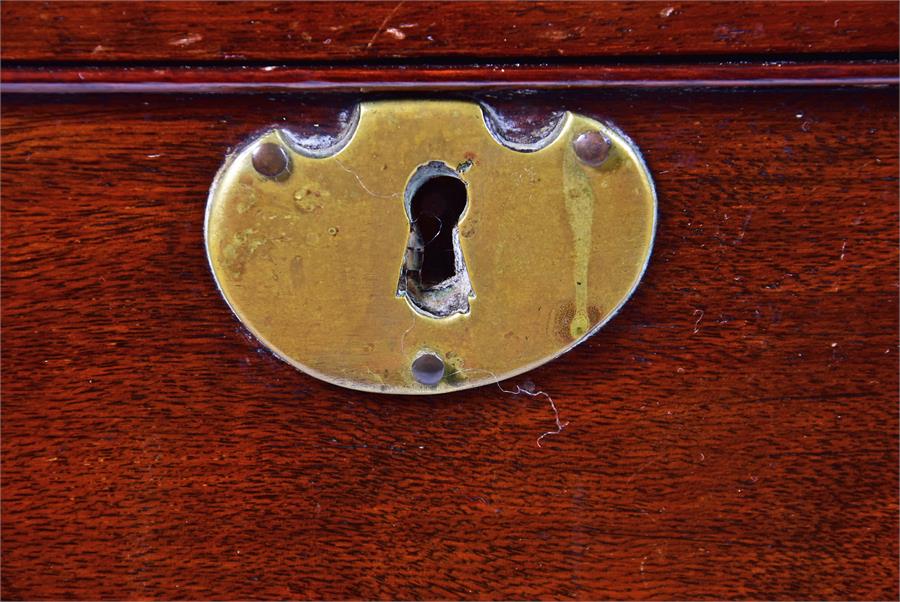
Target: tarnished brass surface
{"points": [[310, 261]]}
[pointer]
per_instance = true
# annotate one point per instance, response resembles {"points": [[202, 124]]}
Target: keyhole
{"points": [[435, 211], [434, 278]]}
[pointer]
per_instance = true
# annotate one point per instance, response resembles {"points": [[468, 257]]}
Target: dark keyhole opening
{"points": [[435, 209], [434, 277]]}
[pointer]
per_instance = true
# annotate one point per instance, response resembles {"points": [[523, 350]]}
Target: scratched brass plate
{"points": [[310, 259]]}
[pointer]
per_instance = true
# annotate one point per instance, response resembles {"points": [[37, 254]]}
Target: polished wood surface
{"points": [[328, 31], [81, 79], [732, 433]]}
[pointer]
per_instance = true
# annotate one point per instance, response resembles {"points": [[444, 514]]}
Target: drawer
{"points": [[732, 432]]}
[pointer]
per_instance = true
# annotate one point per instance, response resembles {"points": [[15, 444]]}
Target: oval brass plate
{"points": [[321, 261]]}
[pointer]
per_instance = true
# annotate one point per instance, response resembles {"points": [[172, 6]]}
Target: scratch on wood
{"points": [[529, 390], [383, 25], [191, 38], [697, 323]]}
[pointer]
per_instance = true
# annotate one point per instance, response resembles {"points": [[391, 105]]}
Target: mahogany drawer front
{"points": [[732, 432], [274, 32]]}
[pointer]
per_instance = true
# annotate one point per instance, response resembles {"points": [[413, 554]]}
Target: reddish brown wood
{"points": [[164, 80], [325, 31], [732, 433]]}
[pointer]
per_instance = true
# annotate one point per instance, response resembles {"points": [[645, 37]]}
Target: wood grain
{"points": [[81, 79], [324, 31], [733, 433]]}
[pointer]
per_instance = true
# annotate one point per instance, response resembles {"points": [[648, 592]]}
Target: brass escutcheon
{"points": [[424, 253]]}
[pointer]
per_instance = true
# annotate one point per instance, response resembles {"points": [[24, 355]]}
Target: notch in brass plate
{"points": [[423, 253]]}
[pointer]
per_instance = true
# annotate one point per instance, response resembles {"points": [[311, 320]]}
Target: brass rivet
{"points": [[592, 148], [428, 369], [270, 160]]}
